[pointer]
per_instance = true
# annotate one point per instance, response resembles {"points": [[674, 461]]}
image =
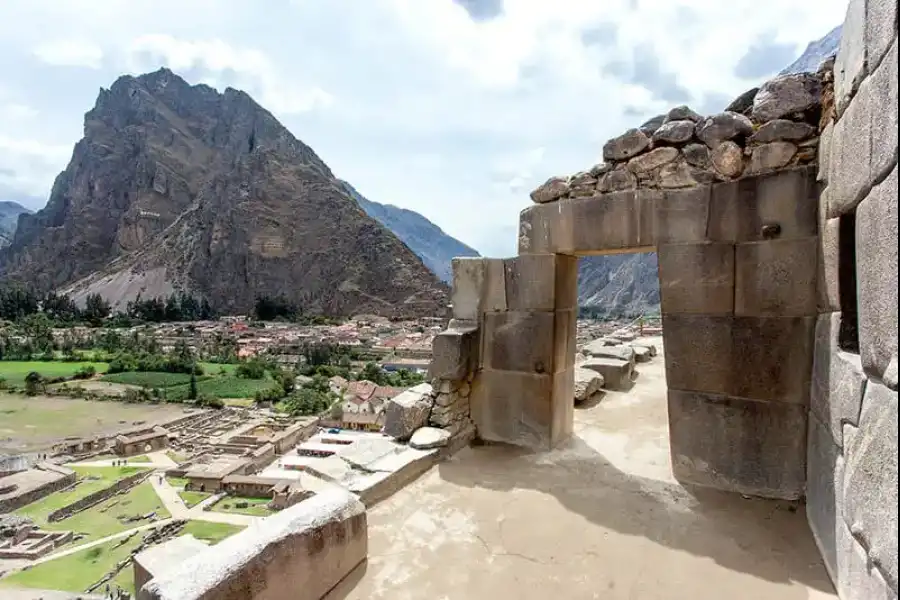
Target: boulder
{"points": [[743, 103], [770, 157], [408, 411], [723, 126], [587, 383], [427, 438], [674, 132], [551, 190], [641, 354], [682, 113], [728, 159], [599, 170], [652, 160], [786, 95], [651, 125], [651, 348], [621, 352], [617, 374], [782, 130], [617, 181], [676, 175], [631, 143], [696, 155]]}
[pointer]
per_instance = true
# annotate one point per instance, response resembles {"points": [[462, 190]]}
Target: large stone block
{"points": [[870, 479], [697, 278], [876, 275], [850, 66], [838, 381], [515, 408], [849, 174], [764, 358], [541, 282], [822, 489], [617, 374], [680, 215], [609, 222], [857, 578], [881, 86], [739, 210], [564, 339], [479, 285], [776, 278], [454, 354], [881, 29], [406, 412], [734, 444], [298, 554], [562, 407], [519, 341], [828, 297]]}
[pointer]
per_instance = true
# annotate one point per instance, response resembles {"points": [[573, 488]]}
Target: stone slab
{"points": [[739, 210], [680, 215], [531, 282], [881, 86], [519, 341], [299, 553], [156, 560], [838, 381], [565, 327], [876, 275], [764, 358], [562, 408], [849, 174], [828, 298], [617, 374], [881, 29], [850, 65], [454, 354], [408, 411], [697, 278], [870, 479], [599, 349], [822, 488], [479, 284], [744, 446], [609, 222], [857, 578], [514, 408], [776, 278]]}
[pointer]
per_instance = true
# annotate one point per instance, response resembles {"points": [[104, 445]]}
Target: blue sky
{"points": [[453, 108]]}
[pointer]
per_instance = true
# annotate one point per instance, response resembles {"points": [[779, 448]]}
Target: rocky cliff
{"points": [[180, 187], [427, 240], [9, 217]]}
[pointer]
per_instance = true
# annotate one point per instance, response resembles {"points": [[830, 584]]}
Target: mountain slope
{"points": [[9, 218], [816, 53], [180, 187], [427, 240]]}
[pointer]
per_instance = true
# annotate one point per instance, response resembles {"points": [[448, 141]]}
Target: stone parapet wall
{"points": [[298, 554], [852, 444], [97, 497]]}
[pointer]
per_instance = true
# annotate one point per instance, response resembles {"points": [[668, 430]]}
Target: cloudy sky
{"points": [[452, 108]]}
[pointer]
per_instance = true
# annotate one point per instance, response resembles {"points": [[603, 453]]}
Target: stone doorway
{"points": [[737, 268]]}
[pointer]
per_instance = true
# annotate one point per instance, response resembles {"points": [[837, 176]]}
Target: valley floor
{"points": [[600, 518]]}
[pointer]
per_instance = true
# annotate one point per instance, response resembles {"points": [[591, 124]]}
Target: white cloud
{"points": [[70, 53], [250, 69], [29, 166]]}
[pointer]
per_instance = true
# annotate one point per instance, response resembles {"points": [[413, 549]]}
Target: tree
{"points": [[192, 391], [34, 383], [253, 368], [38, 328], [96, 309]]}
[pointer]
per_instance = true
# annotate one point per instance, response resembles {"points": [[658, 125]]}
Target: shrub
{"points": [[85, 372], [207, 401], [34, 383], [251, 369], [137, 396]]}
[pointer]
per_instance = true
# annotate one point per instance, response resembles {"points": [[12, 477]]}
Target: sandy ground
{"points": [[600, 518]]}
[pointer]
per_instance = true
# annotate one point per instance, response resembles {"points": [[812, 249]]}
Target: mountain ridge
{"points": [[179, 187]]}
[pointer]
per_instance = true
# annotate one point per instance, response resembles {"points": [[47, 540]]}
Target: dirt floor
{"points": [[600, 518], [29, 424]]}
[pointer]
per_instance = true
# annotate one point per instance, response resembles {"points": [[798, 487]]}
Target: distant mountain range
{"points": [[816, 53], [427, 240], [9, 218]]}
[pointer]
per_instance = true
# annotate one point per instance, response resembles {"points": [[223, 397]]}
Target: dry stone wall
{"points": [[852, 445]]}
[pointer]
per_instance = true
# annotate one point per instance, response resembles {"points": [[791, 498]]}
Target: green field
{"points": [[192, 499], [176, 386], [14, 371], [103, 519], [77, 571], [256, 506], [150, 379]]}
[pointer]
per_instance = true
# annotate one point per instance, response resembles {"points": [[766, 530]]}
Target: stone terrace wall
{"points": [[852, 452], [97, 497]]}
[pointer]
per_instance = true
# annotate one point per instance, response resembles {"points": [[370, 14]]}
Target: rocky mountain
{"points": [[427, 240], [9, 218], [180, 187], [816, 53]]}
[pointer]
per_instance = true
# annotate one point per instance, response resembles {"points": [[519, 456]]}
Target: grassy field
{"points": [[35, 423], [256, 506], [192, 499], [77, 571], [150, 379], [176, 456], [14, 371]]}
